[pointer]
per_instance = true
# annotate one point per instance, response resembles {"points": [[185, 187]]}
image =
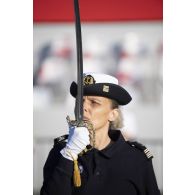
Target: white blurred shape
{"points": [[96, 56], [41, 97], [62, 47], [94, 46], [53, 70], [130, 44], [129, 129]]}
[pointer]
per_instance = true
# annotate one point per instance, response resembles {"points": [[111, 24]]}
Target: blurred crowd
{"points": [[137, 66]]}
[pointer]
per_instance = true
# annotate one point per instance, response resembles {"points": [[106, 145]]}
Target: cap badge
{"points": [[106, 88], [88, 80]]}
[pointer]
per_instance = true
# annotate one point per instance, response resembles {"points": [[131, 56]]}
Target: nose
{"points": [[85, 106]]}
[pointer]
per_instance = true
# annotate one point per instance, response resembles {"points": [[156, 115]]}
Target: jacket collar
{"points": [[118, 142]]}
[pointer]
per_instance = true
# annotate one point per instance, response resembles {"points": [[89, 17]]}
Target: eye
{"points": [[93, 102]]}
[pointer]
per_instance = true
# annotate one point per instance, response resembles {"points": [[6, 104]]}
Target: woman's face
{"points": [[98, 110]]}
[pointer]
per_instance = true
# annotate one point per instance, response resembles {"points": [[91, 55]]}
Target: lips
{"points": [[85, 119]]}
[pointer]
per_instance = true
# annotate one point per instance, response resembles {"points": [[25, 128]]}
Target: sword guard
{"points": [[87, 124], [73, 123]]}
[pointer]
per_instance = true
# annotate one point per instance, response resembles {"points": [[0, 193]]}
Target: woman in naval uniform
{"points": [[112, 166]]}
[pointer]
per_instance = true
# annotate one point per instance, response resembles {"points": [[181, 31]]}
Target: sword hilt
{"points": [[88, 125]]}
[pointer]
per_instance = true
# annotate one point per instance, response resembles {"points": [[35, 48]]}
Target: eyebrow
{"points": [[93, 98]]}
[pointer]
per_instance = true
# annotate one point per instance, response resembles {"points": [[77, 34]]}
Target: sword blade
{"points": [[79, 98]]}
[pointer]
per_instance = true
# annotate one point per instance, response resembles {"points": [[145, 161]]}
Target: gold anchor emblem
{"points": [[88, 80]]}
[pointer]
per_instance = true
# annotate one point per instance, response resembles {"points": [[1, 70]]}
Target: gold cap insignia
{"points": [[88, 80], [106, 88]]}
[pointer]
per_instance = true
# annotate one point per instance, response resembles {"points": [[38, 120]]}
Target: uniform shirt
{"points": [[119, 169]]}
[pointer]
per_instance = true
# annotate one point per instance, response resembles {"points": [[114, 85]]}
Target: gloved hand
{"points": [[77, 141]]}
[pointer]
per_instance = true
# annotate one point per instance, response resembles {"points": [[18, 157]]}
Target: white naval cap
{"points": [[97, 84], [101, 78]]}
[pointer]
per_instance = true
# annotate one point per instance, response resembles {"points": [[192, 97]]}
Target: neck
{"points": [[101, 139]]}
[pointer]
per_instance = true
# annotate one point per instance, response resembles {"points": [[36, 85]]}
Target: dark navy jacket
{"points": [[119, 169]]}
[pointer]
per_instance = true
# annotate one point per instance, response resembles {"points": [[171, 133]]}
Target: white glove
{"points": [[77, 141]]}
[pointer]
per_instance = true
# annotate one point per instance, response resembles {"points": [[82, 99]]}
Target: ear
{"points": [[113, 115]]}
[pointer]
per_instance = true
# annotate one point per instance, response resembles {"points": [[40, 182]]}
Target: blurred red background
{"points": [[98, 10]]}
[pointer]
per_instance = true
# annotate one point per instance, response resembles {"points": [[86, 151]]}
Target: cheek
{"points": [[100, 116]]}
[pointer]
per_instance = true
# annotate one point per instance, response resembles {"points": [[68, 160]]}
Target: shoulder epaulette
{"points": [[141, 147], [60, 139]]}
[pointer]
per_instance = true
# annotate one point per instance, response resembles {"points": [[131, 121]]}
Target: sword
{"points": [[79, 97]]}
